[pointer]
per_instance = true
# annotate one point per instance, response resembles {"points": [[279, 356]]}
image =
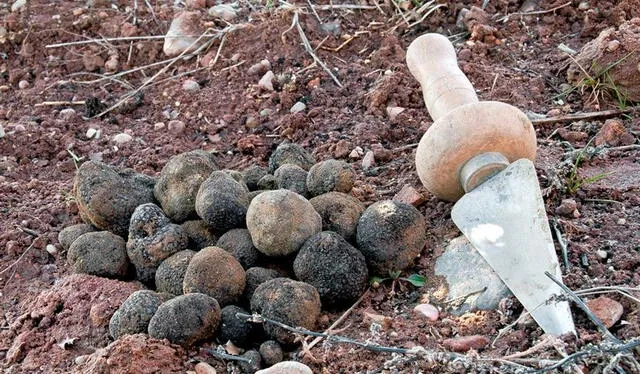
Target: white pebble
{"points": [[431, 312], [23, 84], [224, 11], [298, 107], [368, 160], [2, 133], [122, 138], [51, 249], [158, 126], [18, 4], [602, 254], [287, 367], [622, 221], [393, 111], [67, 113], [190, 85], [266, 81], [91, 132]]}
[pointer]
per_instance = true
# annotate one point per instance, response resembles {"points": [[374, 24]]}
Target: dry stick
{"points": [[345, 6], [307, 46], [536, 12], [313, 10], [56, 103], [583, 116], [622, 148], [124, 39], [226, 356], [424, 16], [576, 299], [338, 321], [17, 261], [544, 343], [595, 350], [563, 244]]}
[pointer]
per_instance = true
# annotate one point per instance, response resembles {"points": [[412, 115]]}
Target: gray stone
{"points": [[466, 271]]}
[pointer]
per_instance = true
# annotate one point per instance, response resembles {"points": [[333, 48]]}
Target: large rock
{"points": [[466, 273], [215, 272], [186, 319], [152, 238], [183, 34], [134, 314], [222, 202], [281, 221], [290, 302], [179, 182], [334, 267], [391, 235], [107, 196], [99, 253], [612, 59]]}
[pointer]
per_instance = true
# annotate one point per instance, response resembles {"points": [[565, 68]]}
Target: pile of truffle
{"points": [[282, 241]]}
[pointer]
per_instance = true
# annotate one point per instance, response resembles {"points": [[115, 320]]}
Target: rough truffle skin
{"points": [[238, 243], [290, 153], [107, 196], [238, 330], [340, 213], [334, 267], [252, 175], [390, 234], [255, 276], [222, 202], [291, 302], [281, 221], [136, 311], [99, 253], [170, 273], [292, 177], [330, 175], [215, 272], [186, 319], [179, 182], [70, 233]]}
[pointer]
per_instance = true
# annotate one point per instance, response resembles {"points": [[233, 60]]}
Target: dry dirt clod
{"points": [[409, 195], [136, 311], [340, 213], [182, 34], [170, 274], [99, 253], [334, 267], [613, 133], [330, 175], [607, 310], [215, 272], [225, 11], [190, 85], [122, 138], [186, 319], [290, 302], [465, 343], [179, 181], [281, 221], [222, 202], [568, 207], [391, 235], [70, 233], [152, 238], [107, 196], [259, 68], [204, 368], [271, 352], [238, 243]]}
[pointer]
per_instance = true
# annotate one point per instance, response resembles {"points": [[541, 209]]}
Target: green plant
{"points": [[394, 276], [574, 181]]}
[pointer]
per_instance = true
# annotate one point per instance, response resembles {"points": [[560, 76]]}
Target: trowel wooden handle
{"points": [[463, 127], [432, 61]]}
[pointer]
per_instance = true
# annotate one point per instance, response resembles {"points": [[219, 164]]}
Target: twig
{"points": [[405, 147], [424, 16], [338, 321], [313, 10], [122, 39], [308, 48], [56, 103], [465, 296], [563, 244], [576, 299], [535, 12], [28, 231], [226, 356], [345, 6], [622, 148], [592, 351], [583, 116], [544, 343], [18, 260]]}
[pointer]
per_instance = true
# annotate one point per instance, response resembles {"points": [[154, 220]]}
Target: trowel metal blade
{"points": [[504, 218]]}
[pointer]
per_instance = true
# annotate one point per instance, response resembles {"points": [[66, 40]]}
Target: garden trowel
{"points": [[480, 154]]}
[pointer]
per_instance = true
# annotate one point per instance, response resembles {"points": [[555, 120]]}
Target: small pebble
{"points": [[67, 113], [204, 368], [23, 85], [251, 122], [287, 367], [357, 152], [122, 138], [159, 126], [431, 312], [410, 195], [190, 85], [298, 107], [176, 127], [260, 68], [224, 11], [266, 112], [393, 111], [2, 133], [18, 4], [91, 132], [4, 88], [613, 45], [607, 310], [465, 343], [567, 207], [51, 249], [602, 254], [368, 160], [621, 221], [266, 81]]}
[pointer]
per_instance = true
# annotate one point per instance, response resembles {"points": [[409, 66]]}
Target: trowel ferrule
{"points": [[480, 168]]}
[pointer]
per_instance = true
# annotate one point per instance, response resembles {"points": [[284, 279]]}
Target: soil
{"points": [[514, 59]]}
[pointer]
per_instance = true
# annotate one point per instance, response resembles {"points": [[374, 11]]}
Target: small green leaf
{"points": [[416, 279], [375, 282], [394, 274]]}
